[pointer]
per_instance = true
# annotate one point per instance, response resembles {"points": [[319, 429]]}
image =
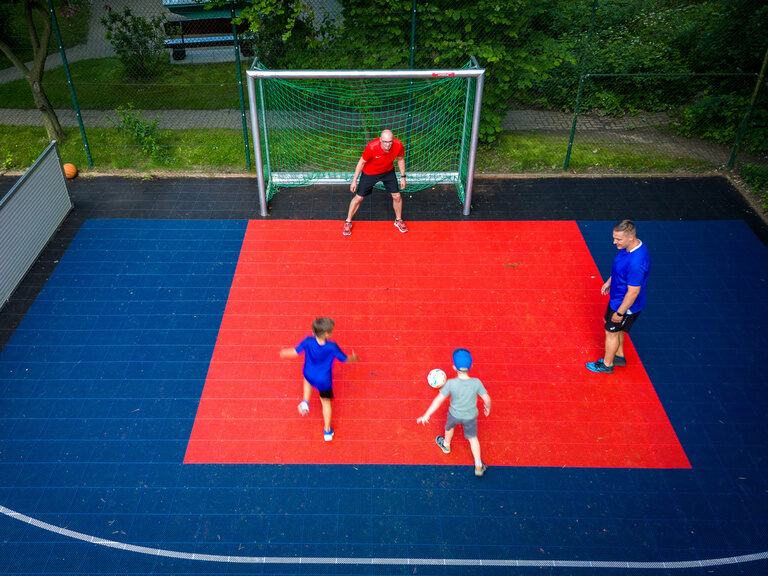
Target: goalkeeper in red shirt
{"points": [[377, 165]]}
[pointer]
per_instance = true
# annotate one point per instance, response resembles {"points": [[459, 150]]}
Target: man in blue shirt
{"points": [[627, 288]]}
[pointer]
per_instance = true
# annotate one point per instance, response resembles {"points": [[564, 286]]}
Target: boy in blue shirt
{"points": [[463, 391], [319, 354]]}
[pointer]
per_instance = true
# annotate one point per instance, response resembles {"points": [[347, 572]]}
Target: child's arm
{"points": [[486, 403], [439, 399], [289, 353], [353, 357]]}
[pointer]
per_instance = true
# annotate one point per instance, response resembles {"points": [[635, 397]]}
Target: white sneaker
{"points": [[303, 407], [328, 435]]}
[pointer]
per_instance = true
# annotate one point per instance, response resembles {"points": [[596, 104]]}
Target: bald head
{"points": [[386, 139]]}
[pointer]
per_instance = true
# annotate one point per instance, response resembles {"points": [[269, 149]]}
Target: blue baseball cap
{"points": [[462, 359]]}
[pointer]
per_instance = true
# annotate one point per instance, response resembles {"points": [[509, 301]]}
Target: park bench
{"points": [[202, 32]]}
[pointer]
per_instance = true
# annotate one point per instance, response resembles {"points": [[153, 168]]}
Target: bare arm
{"points": [[358, 170], [606, 287], [486, 398], [288, 353], [439, 399], [401, 166], [626, 304]]}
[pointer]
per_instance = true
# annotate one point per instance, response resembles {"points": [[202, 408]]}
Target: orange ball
{"points": [[70, 170]]}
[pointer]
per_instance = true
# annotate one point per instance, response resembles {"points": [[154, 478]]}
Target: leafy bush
{"points": [[144, 133], [757, 178], [718, 118], [139, 43]]}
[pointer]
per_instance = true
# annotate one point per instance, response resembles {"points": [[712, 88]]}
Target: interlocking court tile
{"points": [[524, 297]]}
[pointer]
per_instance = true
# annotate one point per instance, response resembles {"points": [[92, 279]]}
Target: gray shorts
{"points": [[470, 426]]}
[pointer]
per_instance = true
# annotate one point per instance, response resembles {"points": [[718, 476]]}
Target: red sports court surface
{"points": [[524, 297]]}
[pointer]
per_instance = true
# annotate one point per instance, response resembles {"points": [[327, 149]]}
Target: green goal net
{"points": [[310, 127]]}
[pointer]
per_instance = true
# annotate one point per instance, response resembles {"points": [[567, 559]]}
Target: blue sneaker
{"points": [[599, 367]]}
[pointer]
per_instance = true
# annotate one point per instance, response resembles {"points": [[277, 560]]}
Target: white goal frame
{"points": [[277, 178]]}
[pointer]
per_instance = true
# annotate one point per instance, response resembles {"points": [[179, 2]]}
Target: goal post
{"points": [[311, 126]]}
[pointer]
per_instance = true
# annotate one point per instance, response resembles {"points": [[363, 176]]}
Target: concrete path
{"points": [[167, 119]]}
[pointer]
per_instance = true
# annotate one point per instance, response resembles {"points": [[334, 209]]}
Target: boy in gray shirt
{"points": [[463, 391]]}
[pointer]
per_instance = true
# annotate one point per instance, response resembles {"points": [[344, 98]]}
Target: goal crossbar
{"points": [[277, 178]]}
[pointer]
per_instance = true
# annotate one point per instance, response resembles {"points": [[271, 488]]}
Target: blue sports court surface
{"points": [[148, 426]]}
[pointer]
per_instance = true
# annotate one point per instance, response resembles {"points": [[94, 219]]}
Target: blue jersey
{"points": [[318, 360], [630, 269]]}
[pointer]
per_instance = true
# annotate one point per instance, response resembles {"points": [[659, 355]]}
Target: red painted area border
{"points": [[524, 297]]}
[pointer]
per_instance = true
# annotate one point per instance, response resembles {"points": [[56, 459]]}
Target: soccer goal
{"points": [[311, 126]]}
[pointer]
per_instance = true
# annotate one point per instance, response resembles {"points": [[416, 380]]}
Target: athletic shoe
{"points": [[347, 228], [303, 407], [440, 441], [400, 225], [480, 470], [617, 361], [328, 435], [599, 367]]}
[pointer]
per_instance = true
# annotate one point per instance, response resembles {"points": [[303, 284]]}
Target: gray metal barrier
{"points": [[30, 213]]}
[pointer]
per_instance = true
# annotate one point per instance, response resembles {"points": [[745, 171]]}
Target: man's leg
{"points": [[620, 349], [397, 204], [613, 341], [353, 206]]}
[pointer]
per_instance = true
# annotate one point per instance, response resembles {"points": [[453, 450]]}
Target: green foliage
{"points": [[138, 42], [507, 39], [718, 118], [144, 133], [8, 163], [757, 179]]}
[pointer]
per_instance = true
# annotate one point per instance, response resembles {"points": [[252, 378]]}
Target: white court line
{"points": [[378, 561]]}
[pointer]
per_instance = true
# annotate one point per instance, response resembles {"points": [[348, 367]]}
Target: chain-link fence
{"points": [[584, 85]]}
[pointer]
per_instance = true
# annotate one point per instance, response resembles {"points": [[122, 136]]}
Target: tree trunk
{"points": [[34, 74], [50, 120]]}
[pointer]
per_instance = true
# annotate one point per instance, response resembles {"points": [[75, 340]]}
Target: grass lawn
{"points": [[537, 152], [222, 150], [100, 85]]}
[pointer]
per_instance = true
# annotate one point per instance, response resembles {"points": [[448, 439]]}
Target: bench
{"points": [[198, 33]]}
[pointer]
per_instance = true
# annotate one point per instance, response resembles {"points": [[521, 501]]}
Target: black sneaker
{"points": [[440, 441]]}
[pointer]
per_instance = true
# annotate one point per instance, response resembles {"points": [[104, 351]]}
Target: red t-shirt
{"points": [[377, 161]]}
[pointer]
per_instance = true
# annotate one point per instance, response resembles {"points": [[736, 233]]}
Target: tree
{"points": [[34, 74]]}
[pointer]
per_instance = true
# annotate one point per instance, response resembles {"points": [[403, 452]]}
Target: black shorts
{"points": [[368, 181], [626, 321], [326, 393]]}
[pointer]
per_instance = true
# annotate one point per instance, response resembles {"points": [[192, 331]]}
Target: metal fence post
{"points": [[751, 106], [240, 89], [581, 84], [69, 82]]}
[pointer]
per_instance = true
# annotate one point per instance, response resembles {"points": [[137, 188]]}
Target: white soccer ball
{"points": [[436, 378]]}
